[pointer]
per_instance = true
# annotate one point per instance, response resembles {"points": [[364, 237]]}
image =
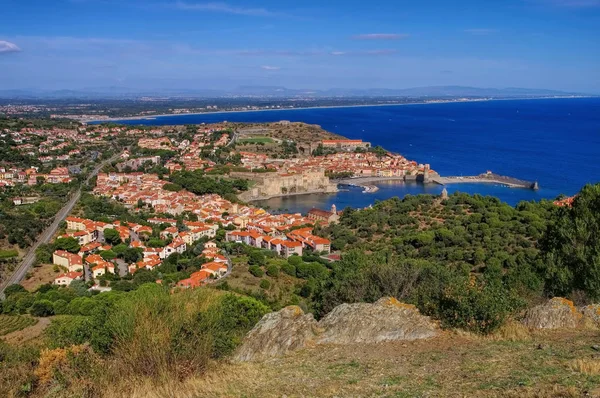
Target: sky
{"points": [[195, 44]]}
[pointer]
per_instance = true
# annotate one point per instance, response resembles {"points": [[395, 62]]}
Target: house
{"points": [[75, 223], [197, 279], [319, 244], [290, 248], [218, 269], [72, 262], [89, 248], [177, 246], [66, 279], [99, 270], [210, 245]]}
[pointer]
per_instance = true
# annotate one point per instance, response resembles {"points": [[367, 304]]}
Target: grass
{"points": [[13, 323], [8, 253], [586, 366], [450, 366]]}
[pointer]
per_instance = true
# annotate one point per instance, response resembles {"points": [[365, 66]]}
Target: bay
{"points": [[553, 141]]}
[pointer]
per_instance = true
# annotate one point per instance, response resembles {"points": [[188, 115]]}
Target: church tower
{"points": [[333, 209], [444, 194]]}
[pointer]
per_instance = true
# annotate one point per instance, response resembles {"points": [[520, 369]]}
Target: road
{"points": [[47, 234]]}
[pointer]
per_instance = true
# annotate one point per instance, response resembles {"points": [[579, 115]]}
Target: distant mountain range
{"points": [[283, 92]]}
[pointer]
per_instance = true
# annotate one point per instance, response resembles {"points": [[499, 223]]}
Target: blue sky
{"points": [[149, 44]]}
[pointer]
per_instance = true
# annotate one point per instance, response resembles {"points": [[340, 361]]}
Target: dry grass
{"points": [[40, 276], [512, 331], [448, 366], [589, 367]]}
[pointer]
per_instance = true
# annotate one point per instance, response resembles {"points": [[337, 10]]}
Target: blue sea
{"points": [[553, 141]]}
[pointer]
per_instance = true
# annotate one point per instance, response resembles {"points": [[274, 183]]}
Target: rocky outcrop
{"points": [[591, 314], [386, 320], [277, 333], [290, 329], [557, 313]]}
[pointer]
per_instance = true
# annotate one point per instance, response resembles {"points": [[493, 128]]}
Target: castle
{"points": [[276, 184]]}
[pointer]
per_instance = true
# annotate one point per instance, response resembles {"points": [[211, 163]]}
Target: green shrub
{"points": [[294, 260], [60, 307], [273, 271], [265, 284], [42, 308], [288, 269], [257, 257], [256, 271]]}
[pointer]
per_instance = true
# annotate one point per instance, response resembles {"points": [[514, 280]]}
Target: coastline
{"points": [[152, 117]]}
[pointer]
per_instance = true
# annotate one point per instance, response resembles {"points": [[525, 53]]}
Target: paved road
{"points": [[45, 236]]}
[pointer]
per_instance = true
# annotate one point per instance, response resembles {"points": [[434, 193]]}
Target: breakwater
{"points": [[484, 178], [487, 178]]}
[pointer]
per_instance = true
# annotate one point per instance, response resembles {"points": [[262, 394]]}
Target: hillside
{"points": [[452, 365]]}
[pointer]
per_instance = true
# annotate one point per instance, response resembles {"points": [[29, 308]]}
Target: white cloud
{"points": [[267, 67], [8, 47], [380, 36], [225, 8]]}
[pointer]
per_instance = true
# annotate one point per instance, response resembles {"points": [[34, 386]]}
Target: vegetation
{"points": [[9, 324], [197, 182]]}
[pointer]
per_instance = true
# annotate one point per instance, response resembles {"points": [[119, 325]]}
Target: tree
{"points": [[132, 255], [257, 257], [12, 289], [571, 246], [273, 270], [112, 236], [42, 308], [108, 255], [256, 271], [69, 244]]}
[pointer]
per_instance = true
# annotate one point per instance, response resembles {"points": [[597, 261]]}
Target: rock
{"points": [[557, 313], [385, 320], [591, 314], [277, 333], [290, 329]]}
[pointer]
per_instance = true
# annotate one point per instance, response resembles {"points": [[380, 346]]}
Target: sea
{"points": [[555, 142]]}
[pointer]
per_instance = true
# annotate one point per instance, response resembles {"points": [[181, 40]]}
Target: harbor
{"points": [[368, 183]]}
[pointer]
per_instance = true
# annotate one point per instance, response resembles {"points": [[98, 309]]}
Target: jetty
{"points": [[484, 178], [489, 178]]}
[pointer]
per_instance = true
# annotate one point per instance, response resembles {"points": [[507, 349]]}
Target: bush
{"points": [[273, 271], [189, 327], [312, 270], [257, 257], [265, 284], [12, 289], [294, 260], [60, 307], [42, 308], [256, 271], [288, 269]]}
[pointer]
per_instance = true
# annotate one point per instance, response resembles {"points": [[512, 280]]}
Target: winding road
{"points": [[47, 234]]}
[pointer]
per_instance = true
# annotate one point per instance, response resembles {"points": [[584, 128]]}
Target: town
{"points": [[145, 180]]}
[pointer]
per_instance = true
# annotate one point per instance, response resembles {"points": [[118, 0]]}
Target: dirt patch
{"points": [[27, 334], [40, 276]]}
